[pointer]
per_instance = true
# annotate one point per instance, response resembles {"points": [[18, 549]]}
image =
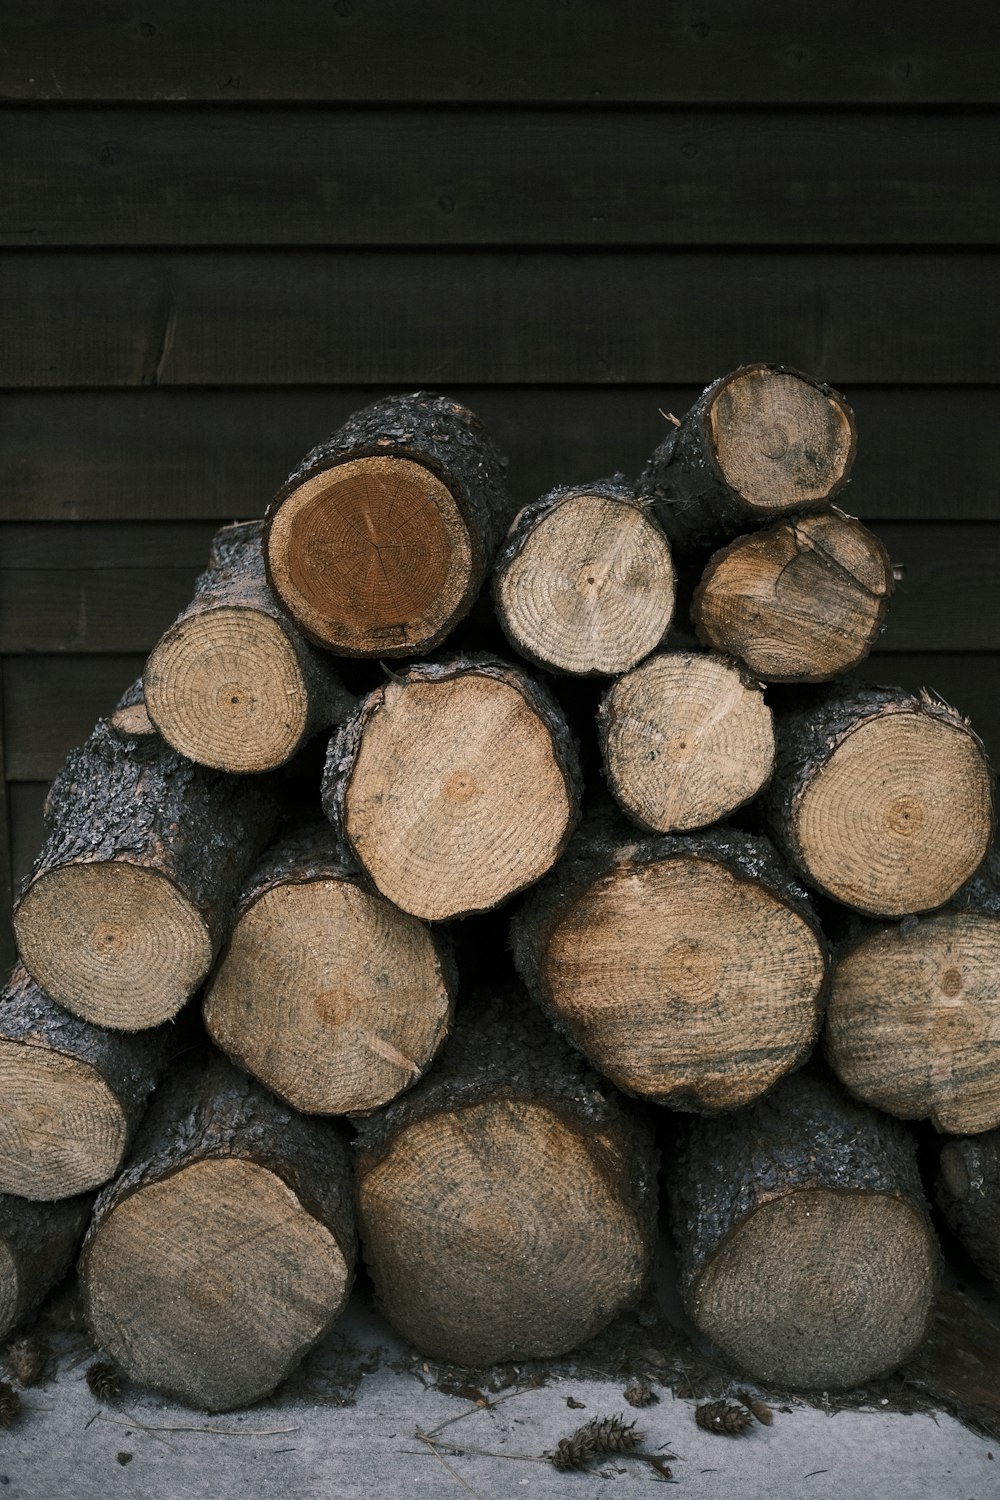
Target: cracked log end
{"points": [[373, 557], [62, 1129]]}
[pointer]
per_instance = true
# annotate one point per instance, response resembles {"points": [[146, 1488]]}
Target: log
{"points": [[131, 896], [225, 1249], [803, 601], [507, 1202], [689, 970], [968, 1193], [233, 683], [584, 583], [880, 798], [761, 441], [455, 784], [72, 1093], [686, 738], [327, 993], [38, 1244], [379, 541], [129, 718], [805, 1250]]}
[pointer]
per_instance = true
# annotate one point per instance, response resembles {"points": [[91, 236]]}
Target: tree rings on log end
{"points": [[62, 1128], [913, 1024], [330, 996], [820, 1288], [115, 943], [684, 983], [224, 687], [372, 557], [779, 440], [212, 1283], [686, 739], [591, 588], [497, 1231]]}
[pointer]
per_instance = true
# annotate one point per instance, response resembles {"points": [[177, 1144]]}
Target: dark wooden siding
{"points": [[225, 227]]}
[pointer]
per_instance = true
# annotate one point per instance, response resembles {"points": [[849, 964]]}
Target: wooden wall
{"points": [[225, 226]]}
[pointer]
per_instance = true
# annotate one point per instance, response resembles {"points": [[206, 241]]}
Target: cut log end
{"points": [[516, 1187], [330, 996], [591, 591], [913, 1024], [115, 943], [132, 721], [867, 1261], [225, 688], [211, 1283], [779, 440], [62, 1129], [372, 557], [686, 740], [900, 817]]}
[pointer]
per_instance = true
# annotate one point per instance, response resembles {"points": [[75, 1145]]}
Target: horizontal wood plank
{"points": [[491, 177], [448, 50], [333, 317]]}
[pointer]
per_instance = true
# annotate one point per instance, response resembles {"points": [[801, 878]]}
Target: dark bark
{"points": [[968, 1192], [38, 1243]]}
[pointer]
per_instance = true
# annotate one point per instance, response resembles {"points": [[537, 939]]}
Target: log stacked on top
{"points": [[505, 1183]]}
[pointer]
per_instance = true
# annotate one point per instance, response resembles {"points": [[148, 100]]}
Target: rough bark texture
{"points": [[799, 438], [38, 1243], [690, 970], [968, 1191], [584, 583], [233, 683], [507, 1202], [225, 1249], [328, 994], [470, 793], [132, 893], [805, 1251], [880, 798], [433, 559], [73, 1093]]}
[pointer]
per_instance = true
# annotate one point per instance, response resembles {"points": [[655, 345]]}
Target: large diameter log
{"points": [[689, 970], [225, 1249], [881, 799], [71, 1093], [805, 1251], [507, 1203], [761, 441], [331, 996], [585, 581], [803, 601], [455, 784], [379, 541], [132, 893], [38, 1244], [968, 1192], [686, 738], [233, 683]]}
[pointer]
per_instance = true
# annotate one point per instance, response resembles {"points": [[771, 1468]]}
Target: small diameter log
{"points": [[803, 601], [882, 799], [507, 1203], [805, 1251], [688, 970], [761, 441], [225, 1250], [130, 719], [331, 996], [585, 581], [686, 738], [233, 684], [132, 893], [71, 1094], [379, 541], [455, 784], [38, 1244], [968, 1192]]}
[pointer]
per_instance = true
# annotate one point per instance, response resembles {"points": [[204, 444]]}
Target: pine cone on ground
{"points": [[104, 1379], [723, 1417], [10, 1405], [599, 1436]]}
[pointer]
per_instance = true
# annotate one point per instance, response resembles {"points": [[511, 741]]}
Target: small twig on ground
{"points": [[487, 1407], [422, 1437], [218, 1431]]}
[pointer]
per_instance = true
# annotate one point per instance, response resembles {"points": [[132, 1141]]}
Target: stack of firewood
{"points": [[264, 997]]}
